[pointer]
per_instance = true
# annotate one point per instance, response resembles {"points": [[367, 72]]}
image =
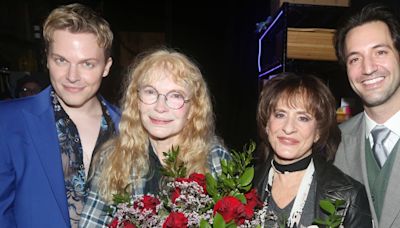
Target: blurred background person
{"points": [[27, 86]]}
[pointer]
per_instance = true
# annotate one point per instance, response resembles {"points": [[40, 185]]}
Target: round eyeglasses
{"points": [[173, 99]]}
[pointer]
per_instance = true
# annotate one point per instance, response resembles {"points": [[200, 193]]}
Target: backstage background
{"points": [[220, 36]]}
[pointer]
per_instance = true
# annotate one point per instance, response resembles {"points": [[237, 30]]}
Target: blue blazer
{"points": [[32, 189]]}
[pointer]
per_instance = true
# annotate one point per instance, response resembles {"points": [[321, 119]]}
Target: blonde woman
{"points": [[166, 104]]}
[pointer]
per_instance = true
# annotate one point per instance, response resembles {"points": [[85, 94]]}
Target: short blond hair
{"points": [[78, 18]]}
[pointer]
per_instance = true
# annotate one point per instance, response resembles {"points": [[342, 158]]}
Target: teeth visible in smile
{"points": [[372, 81]]}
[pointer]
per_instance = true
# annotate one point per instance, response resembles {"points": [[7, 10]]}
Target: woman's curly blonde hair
{"points": [[127, 154]]}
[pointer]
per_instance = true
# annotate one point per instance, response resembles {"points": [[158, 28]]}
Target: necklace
{"points": [[297, 166]]}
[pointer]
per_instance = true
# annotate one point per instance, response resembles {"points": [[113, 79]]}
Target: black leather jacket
{"points": [[331, 184]]}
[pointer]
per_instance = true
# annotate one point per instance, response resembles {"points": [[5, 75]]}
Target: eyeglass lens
{"points": [[150, 95]]}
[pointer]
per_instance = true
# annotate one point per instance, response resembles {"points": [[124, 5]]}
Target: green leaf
{"points": [[336, 224], [173, 166], [224, 166], [231, 224], [231, 169], [216, 197], [245, 188], [204, 224], [331, 208], [251, 147], [246, 177], [339, 203], [327, 206], [219, 221], [243, 157], [235, 157], [211, 184], [229, 182], [122, 197], [335, 216], [319, 221]]}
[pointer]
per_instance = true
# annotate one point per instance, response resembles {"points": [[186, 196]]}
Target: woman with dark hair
{"points": [[299, 137]]}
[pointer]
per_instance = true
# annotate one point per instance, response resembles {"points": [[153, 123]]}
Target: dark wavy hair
{"points": [[369, 13], [314, 95]]}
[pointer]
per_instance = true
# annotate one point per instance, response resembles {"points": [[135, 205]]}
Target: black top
{"points": [[154, 176], [331, 183]]}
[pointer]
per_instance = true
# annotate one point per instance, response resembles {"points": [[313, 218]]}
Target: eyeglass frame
{"points": [[165, 95]]}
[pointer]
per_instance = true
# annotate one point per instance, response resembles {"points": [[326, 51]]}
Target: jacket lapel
{"points": [[358, 142], [391, 203], [354, 144], [41, 125]]}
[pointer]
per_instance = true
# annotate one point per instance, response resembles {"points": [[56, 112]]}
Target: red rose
{"points": [[200, 179], [114, 223], [231, 208], [181, 179], [249, 212], [177, 191], [175, 194], [253, 200], [149, 203], [242, 214], [176, 220], [128, 224]]}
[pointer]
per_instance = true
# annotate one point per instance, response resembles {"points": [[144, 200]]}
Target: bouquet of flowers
{"points": [[204, 201]]}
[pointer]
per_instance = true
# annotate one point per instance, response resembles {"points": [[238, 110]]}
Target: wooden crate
{"points": [[310, 44], [275, 4]]}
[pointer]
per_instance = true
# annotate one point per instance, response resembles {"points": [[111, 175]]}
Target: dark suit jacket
{"points": [[32, 189]]}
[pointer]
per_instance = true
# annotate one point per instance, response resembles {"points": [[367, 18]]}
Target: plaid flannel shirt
{"points": [[94, 214]]}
